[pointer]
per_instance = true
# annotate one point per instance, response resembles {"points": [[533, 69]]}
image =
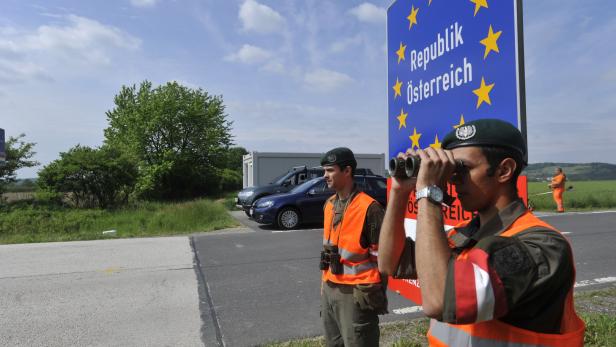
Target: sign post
{"points": [[2, 147], [450, 62]]}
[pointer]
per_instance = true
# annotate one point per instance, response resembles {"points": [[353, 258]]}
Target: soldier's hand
{"points": [[404, 185], [437, 167]]}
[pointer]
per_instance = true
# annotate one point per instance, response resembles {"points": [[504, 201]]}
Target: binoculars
{"points": [[330, 259], [409, 167]]}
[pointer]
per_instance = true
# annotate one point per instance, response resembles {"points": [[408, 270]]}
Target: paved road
{"points": [[237, 288], [264, 286], [131, 292]]}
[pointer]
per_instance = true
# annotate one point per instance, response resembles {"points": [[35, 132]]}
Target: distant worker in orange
{"points": [[558, 188]]}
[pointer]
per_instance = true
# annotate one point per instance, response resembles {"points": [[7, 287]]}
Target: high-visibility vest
{"points": [[357, 264], [498, 333], [558, 181]]}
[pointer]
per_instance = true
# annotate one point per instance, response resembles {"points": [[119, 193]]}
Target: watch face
{"points": [[436, 194]]}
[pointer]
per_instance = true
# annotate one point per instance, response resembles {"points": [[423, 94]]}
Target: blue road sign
{"points": [[450, 62]]}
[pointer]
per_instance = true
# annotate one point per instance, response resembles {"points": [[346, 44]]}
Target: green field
{"points": [[585, 195], [24, 223]]}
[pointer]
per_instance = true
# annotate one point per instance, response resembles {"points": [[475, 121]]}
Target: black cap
{"points": [[340, 156], [487, 132]]}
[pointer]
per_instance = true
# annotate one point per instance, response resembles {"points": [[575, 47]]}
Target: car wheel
{"points": [[288, 218]]}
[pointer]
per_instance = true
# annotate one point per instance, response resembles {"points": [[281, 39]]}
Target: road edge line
{"points": [[205, 299]]}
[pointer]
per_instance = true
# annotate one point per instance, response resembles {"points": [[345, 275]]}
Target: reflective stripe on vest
{"points": [[457, 337], [348, 255], [497, 333], [357, 266]]}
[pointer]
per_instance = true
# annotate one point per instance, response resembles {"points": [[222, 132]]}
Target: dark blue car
{"points": [[304, 203]]}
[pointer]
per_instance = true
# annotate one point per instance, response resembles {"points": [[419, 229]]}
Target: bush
{"points": [[90, 177], [230, 180]]}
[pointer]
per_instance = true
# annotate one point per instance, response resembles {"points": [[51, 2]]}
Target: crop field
{"points": [[585, 195]]}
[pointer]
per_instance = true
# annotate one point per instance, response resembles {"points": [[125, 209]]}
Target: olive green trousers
{"points": [[344, 322]]}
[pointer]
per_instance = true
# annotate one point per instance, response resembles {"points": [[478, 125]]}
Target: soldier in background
{"points": [[558, 188], [352, 291]]}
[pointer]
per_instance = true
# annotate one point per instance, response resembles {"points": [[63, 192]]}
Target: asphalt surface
{"points": [[241, 287], [264, 286], [130, 292], [593, 236]]}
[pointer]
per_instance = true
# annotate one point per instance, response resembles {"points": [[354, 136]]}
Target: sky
{"points": [[295, 75]]}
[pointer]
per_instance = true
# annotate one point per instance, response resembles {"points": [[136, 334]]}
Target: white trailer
{"points": [[262, 167]]}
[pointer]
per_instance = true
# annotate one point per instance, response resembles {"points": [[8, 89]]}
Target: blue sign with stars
{"points": [[450, 62]]}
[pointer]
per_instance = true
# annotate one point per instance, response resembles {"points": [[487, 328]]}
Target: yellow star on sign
{"points": [[413, 16], [415, 139], [397, 88], [400, 52], [436, 144], [402, 119], [483, 93], [490, 42], [479, 4], [461, 122]]}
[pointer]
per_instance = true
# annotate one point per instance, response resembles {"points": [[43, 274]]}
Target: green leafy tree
{"points": [[19, 155], [178, 136], [235, 158], [232, 175], [92, 177]]}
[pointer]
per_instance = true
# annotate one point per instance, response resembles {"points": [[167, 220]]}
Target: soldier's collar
{"points": [[470, 234]]}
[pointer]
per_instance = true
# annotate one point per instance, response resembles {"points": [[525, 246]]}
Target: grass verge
{"points": [[32, 223], [597, 309], [585, 195]]}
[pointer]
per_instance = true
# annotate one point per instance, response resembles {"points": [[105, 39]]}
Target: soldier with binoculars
{"points": [[503, 278]]}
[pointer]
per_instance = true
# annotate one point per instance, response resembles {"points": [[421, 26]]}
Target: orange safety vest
{"points": [[558, 181], [497, 333], [357, 265]]}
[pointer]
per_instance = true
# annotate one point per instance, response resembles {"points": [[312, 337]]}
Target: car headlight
{"points": [[246, 194], [265, 204]]}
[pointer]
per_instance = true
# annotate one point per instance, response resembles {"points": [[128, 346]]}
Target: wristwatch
{"points": [[433, 193]]}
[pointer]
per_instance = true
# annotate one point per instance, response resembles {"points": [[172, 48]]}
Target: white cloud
{"points": [[346, 43], [260, 18], [16, 71], [324, 80], [273, 126], [143, 3], [369, 13], [249, 54], [78, 41], [274, 66]]}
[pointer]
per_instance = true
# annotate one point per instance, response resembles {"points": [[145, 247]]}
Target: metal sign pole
{"points": [[2, 147]]}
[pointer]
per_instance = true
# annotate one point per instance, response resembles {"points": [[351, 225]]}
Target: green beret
{"points": [[340, 156], [486, 132]]}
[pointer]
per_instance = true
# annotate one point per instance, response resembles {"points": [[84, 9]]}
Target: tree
{"points": [[19, 155], [232, 175], [177, 135], [92, 177], [235, 158]]}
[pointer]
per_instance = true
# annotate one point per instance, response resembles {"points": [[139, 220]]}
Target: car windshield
{"points": [[302, 188], [278, 180]]}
